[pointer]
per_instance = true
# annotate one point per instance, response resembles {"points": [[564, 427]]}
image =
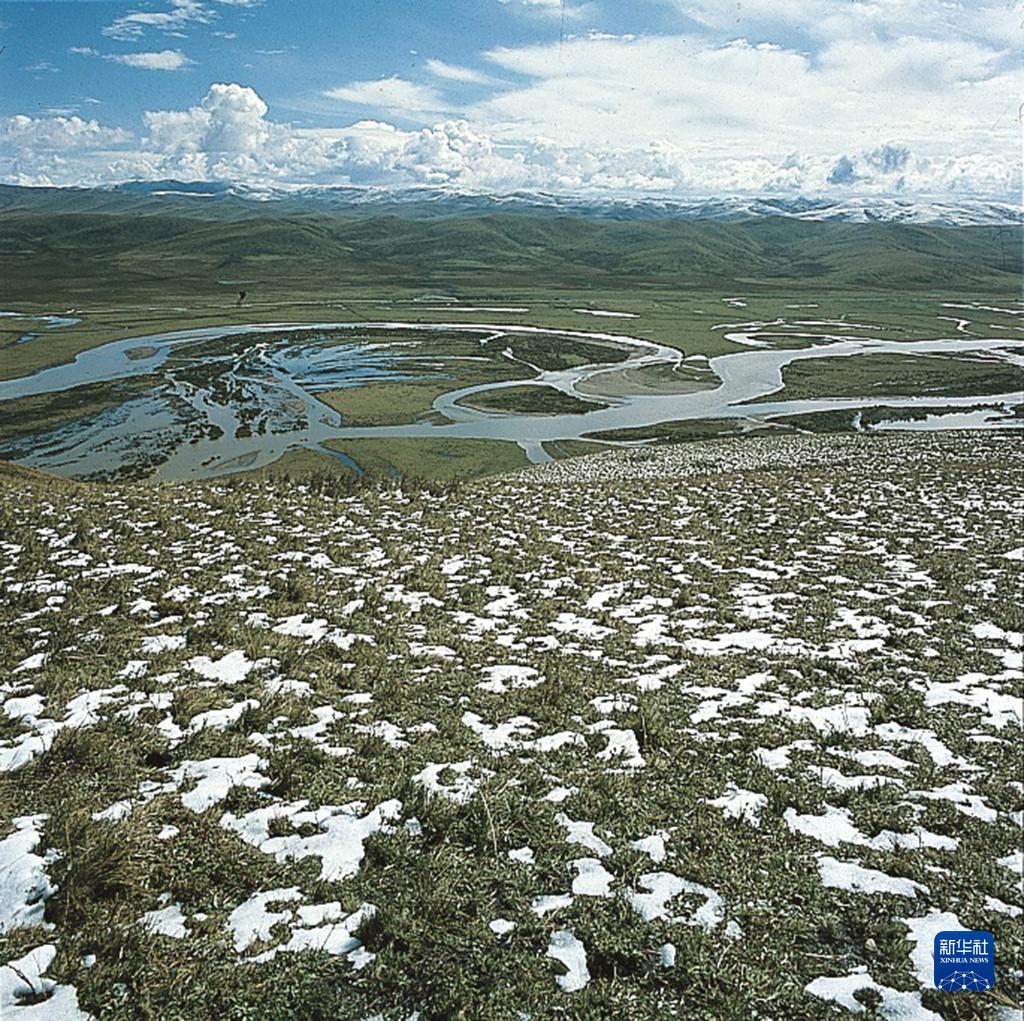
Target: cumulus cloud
{"points": [[56, 133], [843, 172], [164, 60], [230, 119], [229, 135], [888, 158]]}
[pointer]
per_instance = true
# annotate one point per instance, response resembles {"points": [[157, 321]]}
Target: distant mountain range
{"points": [[230, 200]]}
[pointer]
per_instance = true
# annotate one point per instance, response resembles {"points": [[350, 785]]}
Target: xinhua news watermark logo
{"points": [[965, 961]]}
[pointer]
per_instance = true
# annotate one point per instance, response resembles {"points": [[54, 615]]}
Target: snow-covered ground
{"points": [[713, 729]]}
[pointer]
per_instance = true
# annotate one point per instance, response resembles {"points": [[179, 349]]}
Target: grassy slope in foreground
{"points": [[748, 706]]}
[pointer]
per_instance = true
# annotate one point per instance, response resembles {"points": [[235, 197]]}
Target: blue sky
{"points": [[290, 56], [651, 96]]}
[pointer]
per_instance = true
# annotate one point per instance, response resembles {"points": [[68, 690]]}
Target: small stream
{"points": [[49, 322]]}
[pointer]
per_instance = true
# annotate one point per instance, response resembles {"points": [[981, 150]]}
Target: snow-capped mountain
{"points": [[237, 199], [447, 202]]}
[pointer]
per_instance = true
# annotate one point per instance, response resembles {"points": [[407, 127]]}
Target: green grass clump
{"points": [[529, 400], [869, 375]]}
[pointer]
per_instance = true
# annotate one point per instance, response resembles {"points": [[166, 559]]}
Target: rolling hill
{"points": [[130, 243]]}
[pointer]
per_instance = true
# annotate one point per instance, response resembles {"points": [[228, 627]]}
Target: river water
{"points": [[182, 429]]}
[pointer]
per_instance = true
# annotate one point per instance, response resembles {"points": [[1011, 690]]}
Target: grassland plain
{"points": [[440, 460], [413, 370], [530, 400], [890, 375], [683, 316], [132, 270], [719, 730]]}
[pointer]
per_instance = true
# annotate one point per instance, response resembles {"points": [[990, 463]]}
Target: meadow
{"points": [[405, 373], [721, 729], [395, 726], [113, 266]]}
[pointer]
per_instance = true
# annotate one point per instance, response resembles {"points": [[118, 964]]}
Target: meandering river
{"points": [[278, 379]]}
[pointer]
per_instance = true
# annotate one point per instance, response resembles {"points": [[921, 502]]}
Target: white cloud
{"points": [[561, 9], [827, 20], [724, 100], [230, 119], [394, 95], [181, 14], [52, 133], [751, 96], [455, 73], [164, 60], [229, 135]]}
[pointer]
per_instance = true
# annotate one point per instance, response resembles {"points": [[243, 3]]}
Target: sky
{"points": [[645, 97]]}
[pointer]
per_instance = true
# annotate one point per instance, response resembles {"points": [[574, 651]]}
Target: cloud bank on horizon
{"points": [[672, 97]]}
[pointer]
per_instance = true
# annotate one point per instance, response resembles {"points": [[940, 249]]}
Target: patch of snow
{"points": [[922, 931], [153, 645], [579, 832], [339, 840], [737, 803], [215, 777], [592, 878], [653, 846], [846, 875], [23, 978], [24, 884], [545, 903], [665, 886], [168, 921], [894, 1006], [563, 946], [252, 920], [460, 788], [229, 669], [220, 719]]}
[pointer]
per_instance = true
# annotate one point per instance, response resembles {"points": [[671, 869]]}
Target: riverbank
{"points": [[220, 398]]}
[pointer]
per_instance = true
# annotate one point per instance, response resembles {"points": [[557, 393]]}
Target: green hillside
{"points": [[90, 252]]}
